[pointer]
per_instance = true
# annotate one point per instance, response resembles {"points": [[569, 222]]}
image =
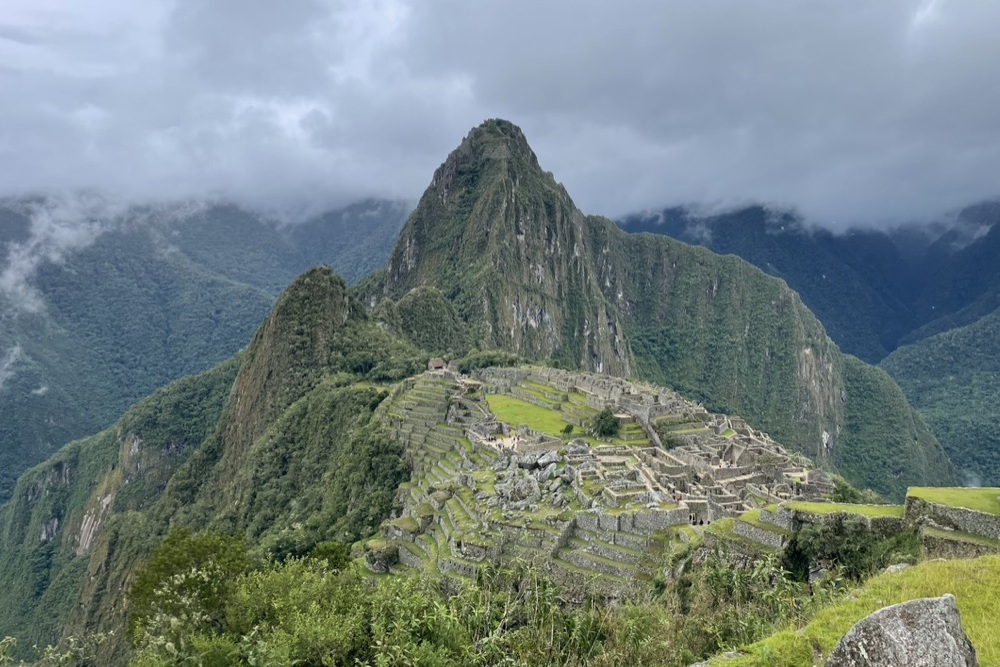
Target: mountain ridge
{"points": [[529, 273]]}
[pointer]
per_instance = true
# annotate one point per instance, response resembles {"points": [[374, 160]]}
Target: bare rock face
{"points": [[919, 633]]}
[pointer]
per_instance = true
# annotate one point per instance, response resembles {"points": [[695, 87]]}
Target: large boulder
{"points": [[919, 633]]}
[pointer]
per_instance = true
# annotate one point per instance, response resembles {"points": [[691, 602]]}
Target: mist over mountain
{"points": [[280, 443], [921, 299], [102, 303]]}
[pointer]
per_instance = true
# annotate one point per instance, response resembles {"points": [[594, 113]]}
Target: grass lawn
{"points": [[753, 518], [981, 500], [872, 511], [959, 536], [514, 411], [972, 582]]}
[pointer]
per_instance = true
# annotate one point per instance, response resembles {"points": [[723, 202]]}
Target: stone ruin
{"points": [[483, 490], [722, 467]]}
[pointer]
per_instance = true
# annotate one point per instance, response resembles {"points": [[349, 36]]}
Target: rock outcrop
{"points": [[919, 633]]}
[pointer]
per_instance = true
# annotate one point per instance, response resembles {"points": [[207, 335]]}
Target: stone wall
{"points": [[941, 547], [410, 559], [759, 535], [965, 520], [782, 518]]}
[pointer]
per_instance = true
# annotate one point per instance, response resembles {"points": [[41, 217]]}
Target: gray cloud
{"points": [[8, 360], [850, 111], [58, 225]]}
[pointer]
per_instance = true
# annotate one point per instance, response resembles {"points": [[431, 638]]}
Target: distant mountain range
{"points": [[280, 444], [100, 306], [922, 301]]}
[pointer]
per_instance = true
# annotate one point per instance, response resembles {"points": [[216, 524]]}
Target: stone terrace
{"points": [[484, 490]]}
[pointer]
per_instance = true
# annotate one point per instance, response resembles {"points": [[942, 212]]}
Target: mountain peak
{"points": [[495, 148], [496, 139]]}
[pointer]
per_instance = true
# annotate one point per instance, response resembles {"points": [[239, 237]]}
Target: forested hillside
{"points": [[953, 378], [156, 294], [921, 301], [529, 273]]}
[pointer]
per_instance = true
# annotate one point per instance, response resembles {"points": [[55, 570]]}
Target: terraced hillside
{"points": [[505, 465]]}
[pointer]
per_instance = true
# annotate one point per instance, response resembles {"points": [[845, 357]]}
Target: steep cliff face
{"points": [[719, 329], [504, 242], [58, 527], [277, 443], [530, 273]]}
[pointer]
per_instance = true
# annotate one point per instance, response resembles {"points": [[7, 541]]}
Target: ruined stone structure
{"points": [[484, 490]]}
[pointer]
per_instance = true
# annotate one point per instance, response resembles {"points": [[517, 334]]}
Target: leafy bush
{"points": [[848, 544], [605, 424]]}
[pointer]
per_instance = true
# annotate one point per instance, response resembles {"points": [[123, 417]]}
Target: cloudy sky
{"points": [[849, 110]]}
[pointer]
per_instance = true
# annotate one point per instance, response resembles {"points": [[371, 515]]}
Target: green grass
{"points": [[980, 500], [753, 518], [407, 523], [724, 529], [514, 411], [959, 536], [872, 511], [972, 582]]}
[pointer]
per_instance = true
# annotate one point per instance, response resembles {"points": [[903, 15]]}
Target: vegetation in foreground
{"points": [[972, 582], [199, 602]]}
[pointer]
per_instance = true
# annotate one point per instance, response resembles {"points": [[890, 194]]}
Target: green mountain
{"points": [[161, 293], [528, 272], [936, 293], [277, 444], [860, 284], [284, 444], [953, 378]]}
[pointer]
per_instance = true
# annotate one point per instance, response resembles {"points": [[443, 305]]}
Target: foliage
{"points": [[430, 322], [487, 358], [843, 492], [886, 445], [972, 582], [185, 571], [605, 424], [303, 612], [857, 284], [159, 297], [951, 379], [851, 546]]}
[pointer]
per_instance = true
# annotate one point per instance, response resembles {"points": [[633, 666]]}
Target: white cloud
{"points": [[8, 360], [58, 226]]}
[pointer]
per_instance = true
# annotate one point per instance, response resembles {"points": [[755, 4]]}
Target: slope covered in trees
{"points": [[527, 272], [156, 295]]}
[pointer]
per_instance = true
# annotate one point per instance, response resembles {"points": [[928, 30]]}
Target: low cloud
{"points": [[8, 361], [871, 112], [58, 226]]}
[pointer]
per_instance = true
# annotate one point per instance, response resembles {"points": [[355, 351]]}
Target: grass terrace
{"points": [[753, 518], [870, 511], [959, 536], [514, 411], [724, 529], [972, 582], [980, 500]]}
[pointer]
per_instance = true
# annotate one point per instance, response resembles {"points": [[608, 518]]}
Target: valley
{"points": [[522, 391]]}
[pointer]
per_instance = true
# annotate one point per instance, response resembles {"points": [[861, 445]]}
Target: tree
{"points": [[606, 424]]}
